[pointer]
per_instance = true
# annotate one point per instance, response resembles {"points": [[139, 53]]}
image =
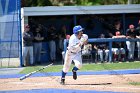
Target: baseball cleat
{"points": [[62, 81], [74, 75]]}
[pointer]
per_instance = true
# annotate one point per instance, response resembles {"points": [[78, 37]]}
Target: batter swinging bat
{"points": [[27, 75]]}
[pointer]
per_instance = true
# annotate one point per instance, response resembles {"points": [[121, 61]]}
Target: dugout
{"points": [[95, 19]]}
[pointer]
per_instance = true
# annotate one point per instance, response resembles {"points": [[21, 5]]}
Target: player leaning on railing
{"points": [[131, 33], [73, 52], [119, 46]]}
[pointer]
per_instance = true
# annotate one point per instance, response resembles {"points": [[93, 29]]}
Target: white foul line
{"points": [[117, 87]]}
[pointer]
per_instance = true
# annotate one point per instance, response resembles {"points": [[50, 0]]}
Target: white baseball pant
{"points": [[69, 57]]}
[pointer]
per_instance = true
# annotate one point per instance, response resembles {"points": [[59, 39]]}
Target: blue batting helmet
{"points": [[77, 29]]}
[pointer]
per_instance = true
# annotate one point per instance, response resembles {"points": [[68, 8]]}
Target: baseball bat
{"points": [[31, 73]]}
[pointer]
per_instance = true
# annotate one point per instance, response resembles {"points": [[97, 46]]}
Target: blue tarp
{"points": [[9, 28], [106, 72], [57, 91]]}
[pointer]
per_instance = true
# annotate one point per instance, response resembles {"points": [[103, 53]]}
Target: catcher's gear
{"points": [[77, 29]]}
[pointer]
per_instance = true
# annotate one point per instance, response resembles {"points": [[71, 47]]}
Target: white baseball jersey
{"points": [[73, 53], [74, 41], [73, 44]]}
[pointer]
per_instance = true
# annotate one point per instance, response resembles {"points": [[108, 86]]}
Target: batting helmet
{"points": [[77, 29]]}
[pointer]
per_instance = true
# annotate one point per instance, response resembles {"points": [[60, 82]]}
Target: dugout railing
{"points": [[110, 41]]}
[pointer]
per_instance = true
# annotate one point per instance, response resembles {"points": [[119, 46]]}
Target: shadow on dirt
{"points": [[91, 84]]}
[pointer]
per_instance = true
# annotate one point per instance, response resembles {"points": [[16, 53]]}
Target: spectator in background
{"points": [[87, 48], [27, 45], [119, 51], [65, 44], [52, 36], [131, 33], [43, 30], [38, 37], [116, 46], [138, 36], [32, 24], [102, 49], [116, 27], [62, 36]]}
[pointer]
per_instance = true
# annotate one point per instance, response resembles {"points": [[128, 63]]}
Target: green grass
{"points": [[9, 67], [87, 67], [135, 83]]}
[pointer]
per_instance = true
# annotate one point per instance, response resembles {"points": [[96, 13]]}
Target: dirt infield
{"points": [[116, 83]]}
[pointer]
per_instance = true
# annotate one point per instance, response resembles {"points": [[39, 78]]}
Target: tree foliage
{"points": [[30, 3]]}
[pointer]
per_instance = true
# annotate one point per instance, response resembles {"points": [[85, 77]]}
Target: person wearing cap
{"points": [[138, 36], [73, 52], [27, 44], [131, 33], [119, 47]]}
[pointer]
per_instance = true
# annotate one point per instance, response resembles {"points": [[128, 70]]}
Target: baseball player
{"points": [[118, 50], [131, 33], [73, 52], [27, 44], [102, 49]]}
